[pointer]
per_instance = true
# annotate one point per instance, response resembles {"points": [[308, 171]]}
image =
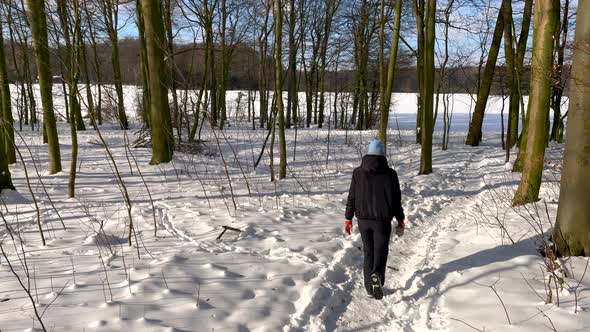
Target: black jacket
{"points": [[374, 192]]}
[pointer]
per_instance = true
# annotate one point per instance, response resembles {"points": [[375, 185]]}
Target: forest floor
{"points": [[291, 267]]}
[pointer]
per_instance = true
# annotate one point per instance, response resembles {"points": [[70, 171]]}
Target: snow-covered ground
{"points": [[290, 268]]}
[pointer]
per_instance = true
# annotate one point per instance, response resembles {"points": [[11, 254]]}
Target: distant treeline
{"points": [[244, 70]]}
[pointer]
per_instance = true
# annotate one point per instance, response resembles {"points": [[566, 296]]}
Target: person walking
{"points": [[375, 199]]}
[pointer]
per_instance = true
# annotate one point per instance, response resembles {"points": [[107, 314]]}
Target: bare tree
{"points": [[386, 94], [167, 12], [38, 22], [72, 32], [570, 234], [545, 25], [427, 108], [161, 126], [7, 129], [475, 134], [559, 77], [279, 87], [331, 8], [110, 15]]}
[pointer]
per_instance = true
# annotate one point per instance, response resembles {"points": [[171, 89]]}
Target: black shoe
{"points": [[376, 285], [370, 294]]}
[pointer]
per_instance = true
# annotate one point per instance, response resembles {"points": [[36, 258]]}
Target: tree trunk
{"points": [[512, 135], [200, 96], [292, 99], [419, 14], [145, 74], [362, 43], [74, 104], [7, 128], [74, 75], [96, 64], [558, 85], [89, 98], [571, 232], [38, 22], [381, 57], [213, 79], [176, 116], [517, 94], [308, 75], [428, 60], [161, 126], [331, 7], [442, 81], [32, 103], [386, 93], [546, 22], [279, 88], [118, 83], [262, 82], [5, 178], [112, 18], [475, 134], [221, 92]]}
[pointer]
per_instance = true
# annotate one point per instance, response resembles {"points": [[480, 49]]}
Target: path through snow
{"points": [[291, 268]]}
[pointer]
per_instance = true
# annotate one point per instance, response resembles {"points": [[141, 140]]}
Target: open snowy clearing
{"points": [[290, 267]]}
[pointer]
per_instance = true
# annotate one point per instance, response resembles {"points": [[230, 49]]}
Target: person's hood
{"points": [[374, 163]]}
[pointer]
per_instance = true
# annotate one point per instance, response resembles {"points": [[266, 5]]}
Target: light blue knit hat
{"points": [[376, 147]]}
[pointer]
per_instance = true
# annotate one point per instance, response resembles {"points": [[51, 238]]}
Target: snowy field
{"points": [[290, 268]]}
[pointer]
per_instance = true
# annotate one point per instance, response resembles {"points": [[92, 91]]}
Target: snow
{"points": [[290, 268]]}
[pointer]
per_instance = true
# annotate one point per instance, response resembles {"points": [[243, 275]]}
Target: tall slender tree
{"points": [[516, 96], [560, 81], [512, 134], [7, 128], [331, 8], [38, 22], [545, 23], [292, 98], [168, 23], [419, 11], [96, 64], [86, 68], [110, 11], [475, 135], [386, 94], [363, 34], [208, 17], [262, 38], [279, 87], [427, 100], [74, 75], [5, 178], [145, 74], [161, 123], [571, 231], [311, 26], [69, 36]]}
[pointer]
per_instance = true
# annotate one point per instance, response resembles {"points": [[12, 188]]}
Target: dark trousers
{"points": [[375, 235]]}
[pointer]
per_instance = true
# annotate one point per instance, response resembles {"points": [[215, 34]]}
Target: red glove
{"points": [[348, 226], [399, 230]]}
